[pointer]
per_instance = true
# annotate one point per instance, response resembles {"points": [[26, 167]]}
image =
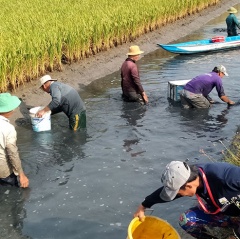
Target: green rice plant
{"points": [[37, 36]]}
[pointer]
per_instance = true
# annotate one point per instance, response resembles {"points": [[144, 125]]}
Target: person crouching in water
{"points": [[195, 93]]}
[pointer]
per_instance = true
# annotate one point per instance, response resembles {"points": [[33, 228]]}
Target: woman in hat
{"points": [[232, 22], [10, 163], [132, 89]]}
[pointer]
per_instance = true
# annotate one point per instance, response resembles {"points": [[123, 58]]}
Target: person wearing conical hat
{"points": [[232, 22], [10, 163], [132, 90]]}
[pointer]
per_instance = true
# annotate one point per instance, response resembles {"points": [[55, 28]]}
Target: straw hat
{"points": [[8, 102], [232, 10], [134, 51], [44, 79]]}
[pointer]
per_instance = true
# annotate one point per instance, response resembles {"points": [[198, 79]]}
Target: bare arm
{"points": [[40, 113], [140, 213], [145, 98], [227, 100]]}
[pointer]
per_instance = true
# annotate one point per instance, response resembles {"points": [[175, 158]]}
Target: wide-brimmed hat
{"points": [[8, 102], [44, 79], [232, 10], [222, 69], [175, 175], [134, 51]]}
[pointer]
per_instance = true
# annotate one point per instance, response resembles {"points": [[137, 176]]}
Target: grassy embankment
{"points": [[39, 35], [232, 154]]}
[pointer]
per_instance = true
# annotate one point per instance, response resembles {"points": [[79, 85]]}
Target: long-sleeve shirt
{"points": [[223, 179], [130, 77], [9, 157], [65, 99], [203, 84], [232, 24]]}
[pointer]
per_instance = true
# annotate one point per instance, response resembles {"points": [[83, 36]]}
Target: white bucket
{"points": [[40, 124]]}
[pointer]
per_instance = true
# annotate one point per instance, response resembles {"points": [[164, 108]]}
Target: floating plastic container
{"points": [[151, 228], [218, 39], [174, 89], [40, 124]]}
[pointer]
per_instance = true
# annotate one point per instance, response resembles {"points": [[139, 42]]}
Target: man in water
{"points": [[10, 163], [217, 183], [232, 22], [195, 93], [64, 99], [132, 90]]}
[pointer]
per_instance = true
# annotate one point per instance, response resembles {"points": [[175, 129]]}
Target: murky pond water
{"points": [[88, 184]]}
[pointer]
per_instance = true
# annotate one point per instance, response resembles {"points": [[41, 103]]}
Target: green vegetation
{"points": [[232, 154], [38, 35]]}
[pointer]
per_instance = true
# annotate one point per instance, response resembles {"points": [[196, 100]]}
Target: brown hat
{"points": [[232, 10], [134, 51]]}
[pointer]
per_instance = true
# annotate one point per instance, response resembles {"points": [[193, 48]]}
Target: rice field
{"points": [[39, 35]]}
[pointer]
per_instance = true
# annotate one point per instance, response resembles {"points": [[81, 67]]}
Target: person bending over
{"points": [[64, 99], [218, 216], [195, 93]]}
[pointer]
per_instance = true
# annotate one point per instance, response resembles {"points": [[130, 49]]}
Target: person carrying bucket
{"points": [[218, 217], [10, 163], [64, 99]]}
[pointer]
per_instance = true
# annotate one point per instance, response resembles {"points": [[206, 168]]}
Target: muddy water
{"points": [[88, 184]]}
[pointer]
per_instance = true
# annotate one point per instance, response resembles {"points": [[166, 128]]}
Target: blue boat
{"points": [[199, 46]]}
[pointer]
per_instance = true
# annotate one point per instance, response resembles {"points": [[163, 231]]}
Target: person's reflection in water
{"points": [[132, 112], [201, 119], [12, 212]]}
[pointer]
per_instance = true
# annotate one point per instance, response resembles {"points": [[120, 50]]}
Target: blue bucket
{"points": [[40, 124]]}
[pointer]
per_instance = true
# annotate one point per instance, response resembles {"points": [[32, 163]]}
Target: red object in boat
{"points": [[218, 39]]}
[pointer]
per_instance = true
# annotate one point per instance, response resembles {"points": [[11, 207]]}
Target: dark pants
{"points": [[78, 121], [133, 97], [10, 180]]}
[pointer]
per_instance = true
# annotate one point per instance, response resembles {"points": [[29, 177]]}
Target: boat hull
{"points": [[202, 46]]}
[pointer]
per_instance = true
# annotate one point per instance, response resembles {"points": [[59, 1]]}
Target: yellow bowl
{"points": [[151, 228]]}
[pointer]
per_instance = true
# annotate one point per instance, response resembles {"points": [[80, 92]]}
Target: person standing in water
{"points": [[10, 163], [232, 22], [132, 90]]}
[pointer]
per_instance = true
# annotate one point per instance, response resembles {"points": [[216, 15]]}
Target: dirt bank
{"points": [[110, 61]]}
